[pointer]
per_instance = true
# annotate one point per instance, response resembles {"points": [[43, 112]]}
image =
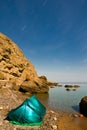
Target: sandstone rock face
{"points": [[83, 106], [17, 72]]}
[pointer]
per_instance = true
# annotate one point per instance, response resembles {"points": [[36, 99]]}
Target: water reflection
{"points": [[64, 99], [69, 89]]}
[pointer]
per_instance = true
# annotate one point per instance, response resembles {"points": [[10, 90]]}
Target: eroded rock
{"points": [[19, 71]]}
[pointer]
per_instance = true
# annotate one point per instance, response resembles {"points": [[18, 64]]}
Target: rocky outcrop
{"points": [[17, 72], [68, 86], [71, 86], [83, 106]]}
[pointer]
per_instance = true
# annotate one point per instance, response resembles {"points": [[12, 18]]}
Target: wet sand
{"points": [[69, 122]]}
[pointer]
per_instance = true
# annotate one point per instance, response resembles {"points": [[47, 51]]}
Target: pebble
{"points": [[78, 115], [1, 108], [55, 118], [52, 111], [81, 115], [0, 123], [75, 115], [54, 127]]}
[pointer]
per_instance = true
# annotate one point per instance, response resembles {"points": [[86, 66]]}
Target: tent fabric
{"points": [[30, 112]]}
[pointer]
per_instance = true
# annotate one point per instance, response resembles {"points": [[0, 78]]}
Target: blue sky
{"points": [[51, 33]]}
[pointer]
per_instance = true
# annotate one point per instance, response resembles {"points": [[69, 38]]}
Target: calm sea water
{"points": [[60, 99]]}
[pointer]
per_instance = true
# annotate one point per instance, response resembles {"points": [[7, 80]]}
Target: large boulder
{"points": [[83, 106], [17, 70]]}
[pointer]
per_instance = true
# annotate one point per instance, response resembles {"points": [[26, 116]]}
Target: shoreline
{"points": [[53, 120]]}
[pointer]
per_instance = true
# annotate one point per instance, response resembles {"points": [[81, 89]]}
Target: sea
{"points": [[59, 99]]}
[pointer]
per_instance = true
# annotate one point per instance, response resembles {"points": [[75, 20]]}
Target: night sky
{"points": [[51, 33]]}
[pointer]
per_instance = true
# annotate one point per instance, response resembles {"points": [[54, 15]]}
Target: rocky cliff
{"points": [[17, 72]]}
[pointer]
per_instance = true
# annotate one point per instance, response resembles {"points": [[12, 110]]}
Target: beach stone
{"points": [[1, 107], [54, 127], [0, 123], [55, 118], [81, 115], [83, 106], [75, 115], [52, 111]]}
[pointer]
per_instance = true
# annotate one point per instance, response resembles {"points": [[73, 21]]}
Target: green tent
{"points": [[30, 112]]}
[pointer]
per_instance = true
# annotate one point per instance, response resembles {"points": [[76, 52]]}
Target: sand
{"points": [[72, 122], [52, 120]]}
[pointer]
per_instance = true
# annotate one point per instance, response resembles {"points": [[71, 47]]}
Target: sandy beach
{"points": [[52, 120]]}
